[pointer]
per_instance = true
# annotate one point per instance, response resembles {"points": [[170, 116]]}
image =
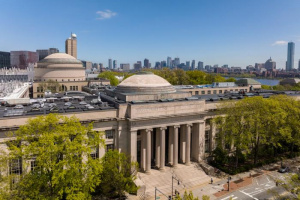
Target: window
{"points": [[109, 134], [38, 89], [71, 87], [16, 166], [236, 90], [207, 141], [76, 88], [197, 92], [220, 91], [202, 92], [208, 92], [245, 90], [94, 152], [33, 165], [74, 79], [109, 147], [215, 91]]}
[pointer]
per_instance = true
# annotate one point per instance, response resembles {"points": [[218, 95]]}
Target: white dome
{"points": [[74, 35], [145, 82]]}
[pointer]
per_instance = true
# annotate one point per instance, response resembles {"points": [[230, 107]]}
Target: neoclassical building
{"points": [[62, 68], [146, 117]]}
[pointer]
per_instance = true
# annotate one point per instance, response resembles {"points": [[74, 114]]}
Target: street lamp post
{"points": [[172, 184]]}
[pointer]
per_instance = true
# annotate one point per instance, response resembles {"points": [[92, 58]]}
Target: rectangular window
{"points": [[76, 88], [202, 92], [197, 92], [32, 165], [208, 92], [215, 91], [236, 90], [94, 152], [207, 141], [109, 134], [16, 166], [38, 89], [245, 90], [109, 147], [71, 88], [220, 91]]}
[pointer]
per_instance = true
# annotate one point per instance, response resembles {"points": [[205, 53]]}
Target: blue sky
{"points": [[234, 32]]}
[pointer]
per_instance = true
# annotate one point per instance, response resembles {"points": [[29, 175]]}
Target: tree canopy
{"points": [[51, 158], [257, 128]]}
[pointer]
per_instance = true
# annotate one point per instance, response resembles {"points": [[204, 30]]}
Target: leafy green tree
{"points": [[190, 196], [231, 79], [58, 150], [111, 76], [118, 175], [51, 85]]}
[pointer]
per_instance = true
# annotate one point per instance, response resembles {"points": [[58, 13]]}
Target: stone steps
{"points": [[189, 176]]}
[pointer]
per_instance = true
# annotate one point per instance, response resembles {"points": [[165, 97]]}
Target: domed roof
{"points": [[60, 58], [145, 82]]}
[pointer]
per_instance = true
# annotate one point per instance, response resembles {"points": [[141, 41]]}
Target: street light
{"points": [[172, 184]]}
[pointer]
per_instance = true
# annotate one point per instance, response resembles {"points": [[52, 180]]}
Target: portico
{"points": [[167, 145]]}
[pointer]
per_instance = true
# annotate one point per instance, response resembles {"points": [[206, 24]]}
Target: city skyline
{"points": [[211, 32]]}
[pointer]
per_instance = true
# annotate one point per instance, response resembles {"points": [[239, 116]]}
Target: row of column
{"points": [[160, 147]]}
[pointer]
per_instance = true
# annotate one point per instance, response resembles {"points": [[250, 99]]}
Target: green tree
{"points": [[118, 175], [190, 196], [231, 79], [111, 76], [58, 151], [51, 85]]}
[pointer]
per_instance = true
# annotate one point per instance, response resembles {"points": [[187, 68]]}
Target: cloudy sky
{"points": [[233, 32]]}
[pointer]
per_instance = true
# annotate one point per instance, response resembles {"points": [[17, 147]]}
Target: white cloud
{"points": [[105, 14], [280, 42]]}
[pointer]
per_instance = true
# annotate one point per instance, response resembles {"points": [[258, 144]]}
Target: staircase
{"points": [[189, 176]]}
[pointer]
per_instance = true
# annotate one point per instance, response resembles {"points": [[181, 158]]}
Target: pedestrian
{"points": [[211, 181]]}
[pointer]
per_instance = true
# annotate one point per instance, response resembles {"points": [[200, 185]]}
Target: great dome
{"points": [[60, 58], [60, 67], [145, 82]]}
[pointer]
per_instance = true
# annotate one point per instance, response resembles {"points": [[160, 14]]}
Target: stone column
{"points": [[157, 148], [212, 136], [133, 145], [182, 144], [198, 141], [143, 150], [170, 145], [148, 150], [162, 147], [175, 146], [188, 145], [117, 139]]}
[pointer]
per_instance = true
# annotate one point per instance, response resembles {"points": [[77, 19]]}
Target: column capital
{"points": [[189, 125], [176, 126], [162, 128], [149, 129]]}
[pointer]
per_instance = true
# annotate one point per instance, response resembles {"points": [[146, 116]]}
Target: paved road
{"points": [[263, 187]]}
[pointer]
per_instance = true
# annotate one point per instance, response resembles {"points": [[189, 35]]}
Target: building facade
{"points": [[43, 53], [71, 45], [4, 59], [21, 59]]}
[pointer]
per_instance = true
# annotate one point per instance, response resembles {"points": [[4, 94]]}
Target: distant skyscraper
{"points": [[169, 61], [109, 63], [146, 63], [290, 56], [138, 65], [71, 45], [176, 62], [115, 64], [193, 64], [125, 66], [188, 64], [200, 65], [298, 65], [163, 63], [4, 59]]}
